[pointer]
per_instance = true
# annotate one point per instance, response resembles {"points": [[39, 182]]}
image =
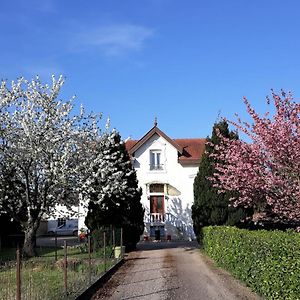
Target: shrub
{"points": [[267, 261]]}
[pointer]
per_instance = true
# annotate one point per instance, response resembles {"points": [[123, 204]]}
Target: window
{"points": [[155, 160], [61, 221], [157, 204], [156, 188]]}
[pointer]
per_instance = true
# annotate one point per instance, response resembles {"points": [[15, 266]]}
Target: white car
{"points": [[65, 229]]}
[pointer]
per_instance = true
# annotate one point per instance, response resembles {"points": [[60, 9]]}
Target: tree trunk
{"points": [[29, 241]]}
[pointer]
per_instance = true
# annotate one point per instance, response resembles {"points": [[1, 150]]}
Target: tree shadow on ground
{"points": [[148, 246]]}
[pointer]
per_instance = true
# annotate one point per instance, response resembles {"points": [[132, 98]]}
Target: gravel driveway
{"points": [[173, 270]]}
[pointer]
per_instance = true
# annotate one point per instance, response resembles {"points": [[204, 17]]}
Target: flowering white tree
{"points": [[265, 173], [113, 191], [109, 173], [43, 146]]}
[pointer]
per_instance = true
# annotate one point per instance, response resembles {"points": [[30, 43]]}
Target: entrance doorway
{"points": [[157, 205], [157, 232]]}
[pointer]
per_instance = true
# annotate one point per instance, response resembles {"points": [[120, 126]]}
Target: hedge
{"points": [[267, 261]]}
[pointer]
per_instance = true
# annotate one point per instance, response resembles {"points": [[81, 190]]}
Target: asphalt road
{"points": [[172, 271]]}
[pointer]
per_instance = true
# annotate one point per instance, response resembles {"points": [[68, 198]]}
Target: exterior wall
{"points": [[173, 173], [181, 178]]}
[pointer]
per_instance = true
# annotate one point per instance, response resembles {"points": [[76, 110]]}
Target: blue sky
{"points": [[182, 61]]}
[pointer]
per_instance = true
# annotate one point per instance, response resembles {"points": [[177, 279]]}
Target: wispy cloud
{"points": [[114, 39]]}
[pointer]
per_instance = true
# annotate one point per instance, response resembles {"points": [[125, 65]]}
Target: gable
{"points": [[189, 150], [148, 135]]}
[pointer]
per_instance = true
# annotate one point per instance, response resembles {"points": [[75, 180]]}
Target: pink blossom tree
{"points": [[265, 173]]}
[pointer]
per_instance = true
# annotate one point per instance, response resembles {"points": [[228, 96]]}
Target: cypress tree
{"points": [[211, 207]]}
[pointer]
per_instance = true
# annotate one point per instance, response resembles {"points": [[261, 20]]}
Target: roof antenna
{"points": [[155, 121]]}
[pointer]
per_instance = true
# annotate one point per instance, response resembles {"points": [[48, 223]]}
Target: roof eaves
{"points": [[186, 162], [149, 134]]}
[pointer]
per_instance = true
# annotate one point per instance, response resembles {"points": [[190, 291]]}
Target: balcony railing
{"points": [[163, 218], [156, 218], [157, 167]]}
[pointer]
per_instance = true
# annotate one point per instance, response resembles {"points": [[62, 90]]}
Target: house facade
{"points": [[166, 169]]}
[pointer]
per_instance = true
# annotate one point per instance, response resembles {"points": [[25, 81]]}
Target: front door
{"points": [[157, 232], [157, 205]]}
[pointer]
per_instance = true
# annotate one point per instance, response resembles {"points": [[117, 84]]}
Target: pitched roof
{"points": [[190, 150], [129, 144], [148, 135]]}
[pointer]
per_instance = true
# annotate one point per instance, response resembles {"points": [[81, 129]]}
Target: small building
{"points": [[166, 169]]}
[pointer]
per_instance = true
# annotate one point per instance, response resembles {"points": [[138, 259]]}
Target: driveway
{"points": [[175, 270]]}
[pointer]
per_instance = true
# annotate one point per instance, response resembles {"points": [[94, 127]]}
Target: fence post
{"points": [[122, 254], [55, 240], [18, 294], [90, 262], [65, 269], [113, 239], [104, 246]]}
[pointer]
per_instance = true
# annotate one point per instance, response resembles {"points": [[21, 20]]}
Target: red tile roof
{"points": [[192, 149], [129, 144]]}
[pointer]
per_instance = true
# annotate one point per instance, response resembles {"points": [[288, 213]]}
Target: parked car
{"points": [[65, 229]]}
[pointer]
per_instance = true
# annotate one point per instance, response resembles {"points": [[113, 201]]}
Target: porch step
{"points": [[175, 232]]}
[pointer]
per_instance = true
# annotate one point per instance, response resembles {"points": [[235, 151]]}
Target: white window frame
{"points": [[156, 160]]}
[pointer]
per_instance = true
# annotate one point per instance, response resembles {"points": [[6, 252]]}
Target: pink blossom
{"points": [[265, 172]]}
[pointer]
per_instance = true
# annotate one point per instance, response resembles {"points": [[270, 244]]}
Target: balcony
{"points": [[156, 218], [162, 218]]}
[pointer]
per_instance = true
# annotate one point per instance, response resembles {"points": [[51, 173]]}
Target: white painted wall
{"points": [[180, 177]]}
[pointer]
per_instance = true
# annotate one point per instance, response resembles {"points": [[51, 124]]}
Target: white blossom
{"points": [[45, 150]]}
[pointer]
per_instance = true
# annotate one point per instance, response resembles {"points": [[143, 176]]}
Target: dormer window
{"points": [[156, 160]]}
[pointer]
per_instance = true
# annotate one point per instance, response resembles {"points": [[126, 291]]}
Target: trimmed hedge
{"points": [[267, 261]]}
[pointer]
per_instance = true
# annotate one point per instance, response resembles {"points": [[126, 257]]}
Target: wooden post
{"points": [[90, 261], [55, 240], [121, 242], [113, 238], [65, 269], [104, 252], [18, 292]]}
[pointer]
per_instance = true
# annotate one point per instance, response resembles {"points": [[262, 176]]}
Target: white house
{"points": [[166, 169]]}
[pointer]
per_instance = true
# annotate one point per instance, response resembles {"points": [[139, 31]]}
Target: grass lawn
{"points": [[79, 251], [43, 278]]}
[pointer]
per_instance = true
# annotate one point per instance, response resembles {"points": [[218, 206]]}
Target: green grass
{"points": [[38, 282], [43, 277], [80, 251]]}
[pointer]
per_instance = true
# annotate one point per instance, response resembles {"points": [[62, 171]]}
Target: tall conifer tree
{"points": [[210, 207]]}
